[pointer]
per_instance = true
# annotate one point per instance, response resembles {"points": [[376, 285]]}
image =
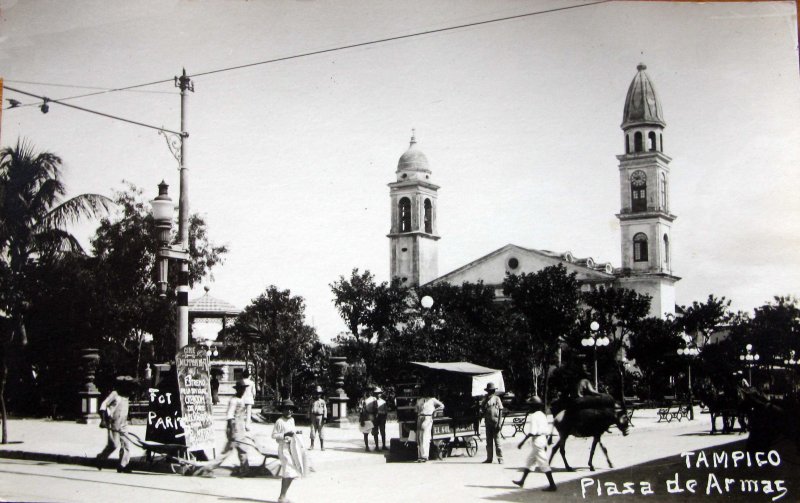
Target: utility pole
{"points": [[182, 337]]}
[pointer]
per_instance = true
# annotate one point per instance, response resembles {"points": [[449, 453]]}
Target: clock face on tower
{"points": [[638, 178]]}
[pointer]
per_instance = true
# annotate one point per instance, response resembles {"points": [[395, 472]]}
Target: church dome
{"points": [[641, 105], [413, 159]]}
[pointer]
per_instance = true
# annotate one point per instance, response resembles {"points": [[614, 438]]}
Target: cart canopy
{"points": [[480, 376]]}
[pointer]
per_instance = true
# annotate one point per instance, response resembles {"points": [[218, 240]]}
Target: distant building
{"points": [[645, 219]]}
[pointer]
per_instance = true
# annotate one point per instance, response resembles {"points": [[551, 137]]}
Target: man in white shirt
{"points": [[249, 397], [538, 428], [319, 412]]}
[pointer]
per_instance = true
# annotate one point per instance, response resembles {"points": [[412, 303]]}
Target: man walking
{"points": [[492, 409], [235, 430], [537, 428], [381, 412], [249, 397]]}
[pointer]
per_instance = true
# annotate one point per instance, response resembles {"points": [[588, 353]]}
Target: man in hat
{"points": [[249, 397], [492, 409], [114, 414], [236, 432], [290, 449], [318, 413], [366, 416], [537, 428], [381, 411]]}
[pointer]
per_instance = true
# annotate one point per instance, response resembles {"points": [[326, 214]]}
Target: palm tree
{"points": [[32, 217]]}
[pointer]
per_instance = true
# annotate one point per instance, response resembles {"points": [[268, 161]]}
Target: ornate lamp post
{"points": [[89, 394], [594, 341], [749, 358], [791, 363], [689, 352]]}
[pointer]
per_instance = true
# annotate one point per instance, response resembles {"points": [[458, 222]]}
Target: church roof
{"points": [[641, 105], [413, 159], [209, 306], [491, 268]]}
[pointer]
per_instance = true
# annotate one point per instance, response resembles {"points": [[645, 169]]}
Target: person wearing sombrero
{"points": [[236, 431], [492, 409], [319, 412], [114, 417], [291, 453]]}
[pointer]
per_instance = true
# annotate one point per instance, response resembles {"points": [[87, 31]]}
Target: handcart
{"points": [[459, 385], [179, 458], [461, 433]]}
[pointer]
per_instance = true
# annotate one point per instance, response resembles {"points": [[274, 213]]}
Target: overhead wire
{"points": [[341, 48], [61, 101]]}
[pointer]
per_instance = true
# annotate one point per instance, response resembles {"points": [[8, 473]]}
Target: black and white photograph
{"points": [[452, 250]]}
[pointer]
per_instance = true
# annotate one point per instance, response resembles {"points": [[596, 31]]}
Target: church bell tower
{"points": [[413, 234], [645, 218]]}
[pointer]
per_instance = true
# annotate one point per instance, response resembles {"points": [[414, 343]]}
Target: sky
{"points": [[289, 161]]}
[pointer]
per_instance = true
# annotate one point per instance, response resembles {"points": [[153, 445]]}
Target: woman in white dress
{"points": [[290, 449]]}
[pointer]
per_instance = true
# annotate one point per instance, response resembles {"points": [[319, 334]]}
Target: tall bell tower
{"points": [[645, 218], [414, 233]]}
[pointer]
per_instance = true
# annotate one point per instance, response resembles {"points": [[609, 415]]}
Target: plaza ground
{"points": [[51, 461]]}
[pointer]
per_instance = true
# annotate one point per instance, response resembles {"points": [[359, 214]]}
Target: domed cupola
{"points": [[413, 163], [641, 105]]}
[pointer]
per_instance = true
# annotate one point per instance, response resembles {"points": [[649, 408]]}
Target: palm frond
{"points": [[72, 210]]}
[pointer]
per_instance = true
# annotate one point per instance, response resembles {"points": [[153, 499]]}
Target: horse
{"points": [[724, 405], [587, 422]]}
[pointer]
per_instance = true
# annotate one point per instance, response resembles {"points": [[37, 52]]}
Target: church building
{"points": [[644, 216]]}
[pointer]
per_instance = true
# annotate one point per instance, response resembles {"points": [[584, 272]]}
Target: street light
{"points": [[162, 214], [690, 352], [426, 302], [749, 358], [594, 341]]}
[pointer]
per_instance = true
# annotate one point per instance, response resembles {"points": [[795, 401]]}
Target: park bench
{"points": [[517, 420], [665, 413], [681, 412]]}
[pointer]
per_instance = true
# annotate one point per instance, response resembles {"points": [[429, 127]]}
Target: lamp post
{"points": [[594, 341], [162, 212], [749, 358], [689, 352], [792, 364]]}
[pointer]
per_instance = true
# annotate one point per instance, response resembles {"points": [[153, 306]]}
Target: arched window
{"points": [[640, 247], [661, 142], [405, 214], [651, 137], [627, 144], [637, 141], [638, 191], [663, 191], [666, 251], [428, 216]]}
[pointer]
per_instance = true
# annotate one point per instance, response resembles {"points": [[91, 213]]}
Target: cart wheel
{"points": [[472, 447]]}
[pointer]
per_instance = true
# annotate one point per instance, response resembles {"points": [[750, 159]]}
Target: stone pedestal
{"points": [[338, 401], [89, 394]]}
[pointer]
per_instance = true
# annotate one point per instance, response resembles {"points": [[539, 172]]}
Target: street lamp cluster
{"points": [[750, 359], [594, 342], [791, 360], [690, 352]]}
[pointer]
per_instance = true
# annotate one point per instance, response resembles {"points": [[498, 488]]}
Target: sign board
{"points": [[180, 407], [194, 384], [164, 413]]}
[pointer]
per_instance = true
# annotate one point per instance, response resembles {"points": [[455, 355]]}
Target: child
{"points": [[290, 449], [539, 428]]}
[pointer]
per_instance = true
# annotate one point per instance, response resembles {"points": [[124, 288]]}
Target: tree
{"points": [[774, 330], [372, 312], [32, 220], [704, 318], [271, 331], [128, 305], [654, 348], [547, 305], [618, 312]]}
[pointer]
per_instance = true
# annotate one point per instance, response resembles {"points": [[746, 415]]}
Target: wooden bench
{"points": [[518, 420]]}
